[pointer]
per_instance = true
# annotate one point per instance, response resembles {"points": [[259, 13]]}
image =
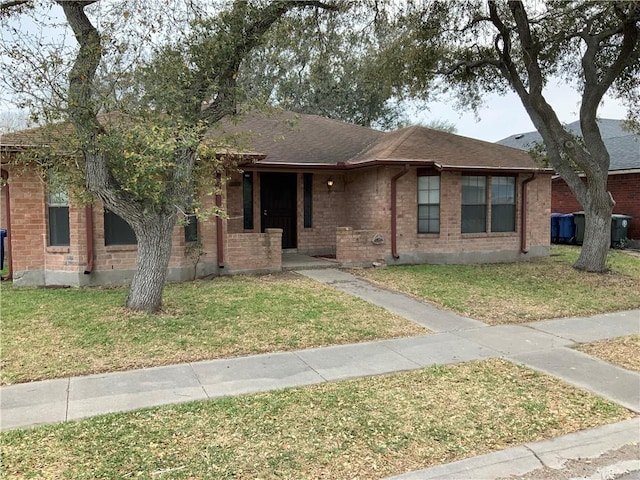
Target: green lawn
{"points": [[50, 333], [520, 292], [366, 428]]}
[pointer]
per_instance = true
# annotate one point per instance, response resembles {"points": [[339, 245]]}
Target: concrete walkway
{"points": [[544, 346]]}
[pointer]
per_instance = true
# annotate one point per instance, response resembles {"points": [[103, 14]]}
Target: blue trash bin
{"points": [[555, 227], [566, 228], [3, 234]]}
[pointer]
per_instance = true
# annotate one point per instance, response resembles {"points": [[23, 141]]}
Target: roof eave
{"points": [[625, 171], [392, 162]]}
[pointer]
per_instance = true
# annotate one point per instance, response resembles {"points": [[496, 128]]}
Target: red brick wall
{"points": [[359, 199], [328, 211], [254, 251], [358, 246], [368, 204], [29, 235], [450, 240], [625, 189], [235, 211], [28, 228]]}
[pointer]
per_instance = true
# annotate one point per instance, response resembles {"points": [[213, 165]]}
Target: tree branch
{"points": [[467, 66], [507, 67], [597, 85], [84, 67], [247, 38], [13, 3]]}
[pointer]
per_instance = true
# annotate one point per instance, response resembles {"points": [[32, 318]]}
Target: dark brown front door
{"points": [[278, 201]]}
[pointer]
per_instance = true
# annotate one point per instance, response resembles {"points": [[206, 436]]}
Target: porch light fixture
{"points": [[330, 184]]}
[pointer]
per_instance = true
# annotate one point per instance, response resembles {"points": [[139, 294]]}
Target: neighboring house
{"points": [[624, 170], [320, 187]]}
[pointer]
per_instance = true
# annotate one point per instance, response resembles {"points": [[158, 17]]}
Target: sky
{"points": [[503, 116]]}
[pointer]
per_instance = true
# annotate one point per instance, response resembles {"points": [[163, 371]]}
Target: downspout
{"points": [[88, 224], [523, 217], [394, 211], [219, 233], [7, 198]]}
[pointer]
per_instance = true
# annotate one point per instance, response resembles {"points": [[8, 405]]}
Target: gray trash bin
{"points": [[619, 229]]}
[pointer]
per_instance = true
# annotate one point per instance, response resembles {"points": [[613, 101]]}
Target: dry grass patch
{"points": [[623, 351], [50, 333], [521, 292], [361, 429]]}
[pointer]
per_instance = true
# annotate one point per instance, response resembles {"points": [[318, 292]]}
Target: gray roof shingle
{"points": [[622, 145]]}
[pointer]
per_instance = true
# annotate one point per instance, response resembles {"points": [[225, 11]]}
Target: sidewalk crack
{"points": [[555, 335], [204, 390], [324, 379], [66, 411], [535, 455]]}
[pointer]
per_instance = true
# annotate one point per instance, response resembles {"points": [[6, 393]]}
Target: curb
{"points": [[528, 457]]}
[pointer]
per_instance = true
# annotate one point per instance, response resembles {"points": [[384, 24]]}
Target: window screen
{"points": [[117, 231], [503, 204], [474, 204], [429, 204]]}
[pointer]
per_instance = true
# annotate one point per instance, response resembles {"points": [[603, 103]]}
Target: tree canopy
{"points": [[328, 65]]}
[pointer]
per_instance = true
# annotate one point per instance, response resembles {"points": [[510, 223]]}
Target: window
{"points": [[308, 199], [58, 216], [503, 204], [191, 229], [429, 204], [247, 200], [117, 231], [474, 204]]}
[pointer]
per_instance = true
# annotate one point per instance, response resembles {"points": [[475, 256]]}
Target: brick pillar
{"points": [[344, 242], [274, 247]]}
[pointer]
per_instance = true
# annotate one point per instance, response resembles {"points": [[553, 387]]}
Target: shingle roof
{"points": [[51, 134], [446, 150], [289, 140], [320, 141], [622, 145]]}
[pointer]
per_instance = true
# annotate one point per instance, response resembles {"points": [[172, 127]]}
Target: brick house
{"points": [[319, 187], [624, 171]]}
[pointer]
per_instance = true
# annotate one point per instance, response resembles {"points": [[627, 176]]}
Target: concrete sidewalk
{"points": [[540, 345], [553, 454]]}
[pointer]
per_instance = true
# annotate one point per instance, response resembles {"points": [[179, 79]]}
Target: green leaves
{"points": [[142, 156]]}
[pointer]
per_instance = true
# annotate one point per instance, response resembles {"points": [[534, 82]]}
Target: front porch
{"points": [[263, 252], [292, 260]]}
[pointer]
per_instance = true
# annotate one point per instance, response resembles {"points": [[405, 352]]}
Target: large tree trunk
{"points": [[598, 205], [154, 252], [597, 238]]}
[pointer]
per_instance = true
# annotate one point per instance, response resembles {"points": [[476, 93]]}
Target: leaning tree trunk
{"points": [[597, 233], [597, 237], [152, 262]]}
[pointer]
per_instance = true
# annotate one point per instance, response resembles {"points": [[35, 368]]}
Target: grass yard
{"points": [[360, 429], [539, 289], [51, 333], [623, 351]]}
